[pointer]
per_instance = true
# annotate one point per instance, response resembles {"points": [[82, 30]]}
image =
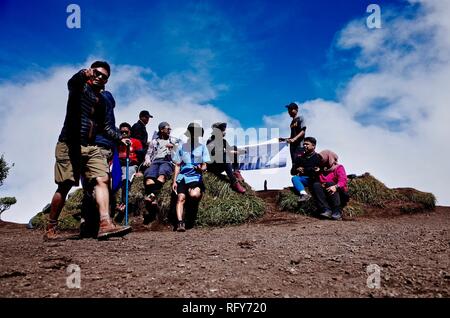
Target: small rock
{"points": [[295, 261]]}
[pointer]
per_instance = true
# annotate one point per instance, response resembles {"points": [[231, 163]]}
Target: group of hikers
{"points": [[89, 143]]}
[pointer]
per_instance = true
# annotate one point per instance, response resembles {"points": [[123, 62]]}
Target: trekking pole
{"points": [[126, 180]]}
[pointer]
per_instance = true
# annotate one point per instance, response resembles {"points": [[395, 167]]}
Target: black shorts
{"points": [[183, 187]]}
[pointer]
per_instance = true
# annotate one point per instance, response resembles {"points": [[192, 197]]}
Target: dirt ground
{"points": [[281, 255]]}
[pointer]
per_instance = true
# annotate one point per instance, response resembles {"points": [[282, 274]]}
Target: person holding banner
{"points": [[224, 157], [190, 163]]}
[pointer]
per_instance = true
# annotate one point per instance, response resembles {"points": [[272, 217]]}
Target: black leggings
{"points": [[326, 201], [218, 168]]}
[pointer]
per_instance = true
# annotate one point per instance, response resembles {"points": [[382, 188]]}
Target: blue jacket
{"points": [[104, 138]]}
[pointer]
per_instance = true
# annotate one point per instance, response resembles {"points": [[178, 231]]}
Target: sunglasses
{"points": [[124, 132], [100, 75]]}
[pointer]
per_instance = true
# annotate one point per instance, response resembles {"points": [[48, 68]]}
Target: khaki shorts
{"points": [[106, 153], [93, 164]]}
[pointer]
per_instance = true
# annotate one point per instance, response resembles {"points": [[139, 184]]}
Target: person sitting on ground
{"points": [[332, 179], [190, 163], [159, 162], [304, 168], [224, 157], [135, 147]]}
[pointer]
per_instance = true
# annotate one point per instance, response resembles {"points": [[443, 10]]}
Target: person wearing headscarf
{"points": [[331, 182]]}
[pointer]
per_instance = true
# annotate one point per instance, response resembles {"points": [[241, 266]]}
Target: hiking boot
{"points": [[181, 227], [238, 188], [238, 175], [109, 229], [84, 233], [326, 214], [337, 215], [52, 234], [304, 197]]}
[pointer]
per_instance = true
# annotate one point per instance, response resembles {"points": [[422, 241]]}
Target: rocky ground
{"points": [[280, 255]]}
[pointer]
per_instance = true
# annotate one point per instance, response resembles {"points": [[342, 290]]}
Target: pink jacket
{"points": [[337, 176]]}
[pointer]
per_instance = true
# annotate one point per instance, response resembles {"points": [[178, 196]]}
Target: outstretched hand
{"points": [[89, 73]]}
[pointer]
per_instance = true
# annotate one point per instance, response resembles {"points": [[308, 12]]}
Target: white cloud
{"points": [[406, 66]]}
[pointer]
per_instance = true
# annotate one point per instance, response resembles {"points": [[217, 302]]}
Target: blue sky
{"points": [[259, 55]]}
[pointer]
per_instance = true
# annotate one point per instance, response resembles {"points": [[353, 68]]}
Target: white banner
{"points": [[265, 155]]}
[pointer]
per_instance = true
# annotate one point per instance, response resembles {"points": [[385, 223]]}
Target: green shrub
{"points": [[219, 206], [420, 200], [288, 201], [368, 190]]}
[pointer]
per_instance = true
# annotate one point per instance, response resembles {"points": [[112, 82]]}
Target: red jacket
{"points": [[136, 145]]}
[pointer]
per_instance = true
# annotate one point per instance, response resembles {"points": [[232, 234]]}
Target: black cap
{"points": [[194, 130], [219, 125], [145, 113], [292, 106]]}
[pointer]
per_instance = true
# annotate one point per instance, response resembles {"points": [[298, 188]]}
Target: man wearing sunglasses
{"points": [[76, 153]]}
